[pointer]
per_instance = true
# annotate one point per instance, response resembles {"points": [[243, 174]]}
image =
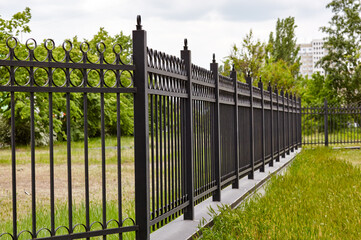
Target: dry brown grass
{"points": [[23, 184], [351, 155]]}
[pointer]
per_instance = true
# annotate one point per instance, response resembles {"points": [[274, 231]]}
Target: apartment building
{"points": [[310, 54]]}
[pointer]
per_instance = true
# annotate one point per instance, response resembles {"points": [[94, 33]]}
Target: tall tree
{"points": [[283, 45], [249, 57], [343, 43]]}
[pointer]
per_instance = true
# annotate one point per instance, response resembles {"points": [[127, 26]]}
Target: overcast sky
{"points": [[211, 26]]}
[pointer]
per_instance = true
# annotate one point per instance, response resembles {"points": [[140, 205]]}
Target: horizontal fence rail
{"points": [[331, 124]]}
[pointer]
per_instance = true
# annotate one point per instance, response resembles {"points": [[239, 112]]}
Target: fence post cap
{"points": [[185, 44], [139, 21], [249, 78], [275, 89], [269, 86], [260, 83]]}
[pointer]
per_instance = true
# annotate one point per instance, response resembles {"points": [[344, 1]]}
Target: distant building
{"points": [[310, 54]]}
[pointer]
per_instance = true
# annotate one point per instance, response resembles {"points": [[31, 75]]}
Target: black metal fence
{"points": [[92, 82], [196, 132], [335, 124], [204, 131]]}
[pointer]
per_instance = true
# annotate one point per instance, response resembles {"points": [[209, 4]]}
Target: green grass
{"points": [[318, 198], [61, 219]]}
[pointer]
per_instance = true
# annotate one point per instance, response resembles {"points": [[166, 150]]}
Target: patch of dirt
{"points": [[42, 177]]}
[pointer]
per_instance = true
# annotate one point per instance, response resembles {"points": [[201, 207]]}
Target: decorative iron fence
{"points": [[89, 78], [335, 124], [195, 132], [204, 131]]}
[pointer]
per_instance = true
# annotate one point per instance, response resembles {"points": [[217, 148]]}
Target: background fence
{"points": [[335, 124], [196, 132]]}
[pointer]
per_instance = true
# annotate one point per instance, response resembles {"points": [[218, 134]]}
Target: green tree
{"points": [[283, 46], [314, 90], [275, 62], [343, 43], [249, 57], [278, 73]]}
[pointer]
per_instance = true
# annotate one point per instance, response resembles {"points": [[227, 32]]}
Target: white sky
{"points": [[211, 26]]}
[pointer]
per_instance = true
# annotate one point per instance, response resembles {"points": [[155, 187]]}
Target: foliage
{"points": [[249, 57], [276, 62], [343, 43], [284, 45], [16, 25], [316, 89], [318, 198], [278, 73], [41, 100], [4, 131]]}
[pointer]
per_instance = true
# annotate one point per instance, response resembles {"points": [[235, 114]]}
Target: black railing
{"points": [[195, 132], [331, 125], [204, 131], [82, 76]]}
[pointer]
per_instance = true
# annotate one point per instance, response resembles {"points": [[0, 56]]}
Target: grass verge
{"points": [[318, 198]]}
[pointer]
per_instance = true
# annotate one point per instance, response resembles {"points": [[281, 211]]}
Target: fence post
{"points": [[284, 124], [326, 123], [234, 78], [217, 164], [288, 123], [300, 122], [251, 125], [141, 133], [189, 176], [291, 122], [272, 132], [296, 121], [260, 86], [277, 125]]}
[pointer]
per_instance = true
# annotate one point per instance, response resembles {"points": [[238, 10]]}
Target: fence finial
{"points": [[249, 73], [185, 44], [232, 67], [269, 86], [260, 84], [214, 58], [139, 21], [275, 89]]}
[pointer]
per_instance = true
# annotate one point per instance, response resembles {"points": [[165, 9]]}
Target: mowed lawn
{"points": [[319, 197]]}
